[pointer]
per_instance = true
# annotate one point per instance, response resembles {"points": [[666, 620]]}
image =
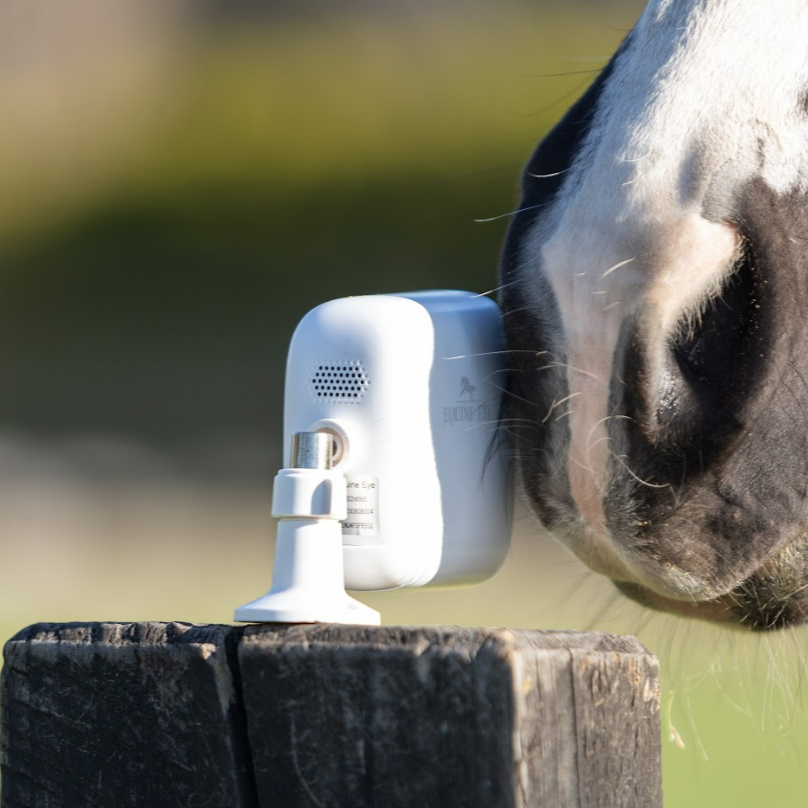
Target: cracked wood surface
{"points": [[170, 714]]}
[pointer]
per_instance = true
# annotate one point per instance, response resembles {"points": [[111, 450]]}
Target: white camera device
{"points": [[400, 475]]}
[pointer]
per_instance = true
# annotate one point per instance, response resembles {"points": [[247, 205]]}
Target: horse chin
{"points": [[718, 610], [775, 596]]}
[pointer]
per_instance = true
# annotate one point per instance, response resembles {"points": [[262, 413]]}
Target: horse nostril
{"points": [[686, 400], [716, 354]]}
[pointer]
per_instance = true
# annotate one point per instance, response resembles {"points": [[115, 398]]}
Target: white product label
{"points": [[363, 506]]}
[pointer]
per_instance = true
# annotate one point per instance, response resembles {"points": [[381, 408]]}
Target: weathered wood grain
{"points": [[156, 714], [451, 718], [114, 715], [589, 730]]}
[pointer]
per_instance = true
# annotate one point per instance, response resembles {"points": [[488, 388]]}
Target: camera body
{"points": [[409, 388]]}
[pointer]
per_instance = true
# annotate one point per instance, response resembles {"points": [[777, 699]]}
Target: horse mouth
{"points": [[718, 610], [774, 597]]}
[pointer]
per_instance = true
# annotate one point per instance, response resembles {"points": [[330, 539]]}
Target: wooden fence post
{"points": [[156, 714]]}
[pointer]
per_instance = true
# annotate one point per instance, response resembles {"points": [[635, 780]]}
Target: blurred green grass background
{"points": [[181, 183]]}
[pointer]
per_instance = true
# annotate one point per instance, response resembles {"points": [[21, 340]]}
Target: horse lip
{"points": [[722, 609], [766, 600]]}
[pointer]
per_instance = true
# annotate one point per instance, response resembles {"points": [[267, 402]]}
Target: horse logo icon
{"points": [[467, 388]]}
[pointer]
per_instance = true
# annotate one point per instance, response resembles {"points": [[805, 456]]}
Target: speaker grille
{"points": [[345, 382]]}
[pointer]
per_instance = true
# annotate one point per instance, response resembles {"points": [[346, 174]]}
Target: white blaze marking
{"points": [[707, 96]]}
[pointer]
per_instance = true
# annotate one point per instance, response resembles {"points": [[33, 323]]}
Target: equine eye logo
{"points": [[468, 407], [467, 390]]}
